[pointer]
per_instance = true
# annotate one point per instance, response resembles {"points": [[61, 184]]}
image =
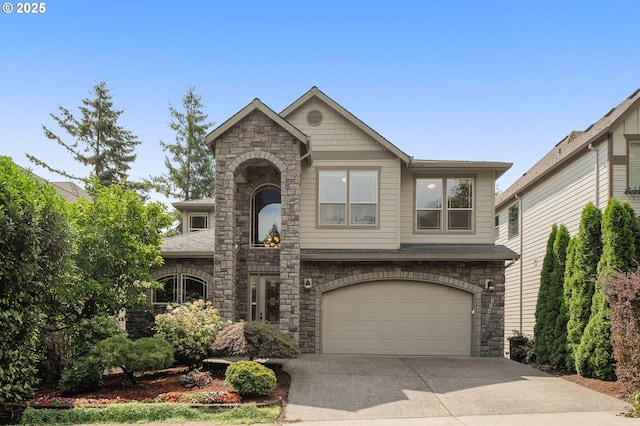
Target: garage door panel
{"points": [[397, 317]]}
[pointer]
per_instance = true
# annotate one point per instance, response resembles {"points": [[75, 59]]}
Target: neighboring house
{"points": [[594, 165], [327, 230], [68, 190]]}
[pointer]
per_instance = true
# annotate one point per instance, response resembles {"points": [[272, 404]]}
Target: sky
{"points": [[480, 80]]}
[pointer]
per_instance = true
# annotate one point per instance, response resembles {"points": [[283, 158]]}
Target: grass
{"points": [[135, 412]]}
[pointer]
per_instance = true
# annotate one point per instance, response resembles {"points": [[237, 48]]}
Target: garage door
{"points": [[397, 317]]}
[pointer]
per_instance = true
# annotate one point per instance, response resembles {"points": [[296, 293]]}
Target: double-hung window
{"points": [[347, 197], [444, 204]]}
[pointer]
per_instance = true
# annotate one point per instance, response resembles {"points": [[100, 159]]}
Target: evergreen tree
{"points": [[580, 276], [558, 316], [190, 169], [99, 142], [543, 336], [594, 355]]}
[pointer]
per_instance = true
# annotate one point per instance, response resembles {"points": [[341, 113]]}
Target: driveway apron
{"points": [[360, 387]]}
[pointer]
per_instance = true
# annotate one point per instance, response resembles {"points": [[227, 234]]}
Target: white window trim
{"points": [[194, 215]]}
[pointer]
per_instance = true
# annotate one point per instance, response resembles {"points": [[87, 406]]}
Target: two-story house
{"points": [[327, 230], [593, 165]]}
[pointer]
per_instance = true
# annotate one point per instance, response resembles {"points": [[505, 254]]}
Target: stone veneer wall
{"points": [[468, 276], [256, 137]]}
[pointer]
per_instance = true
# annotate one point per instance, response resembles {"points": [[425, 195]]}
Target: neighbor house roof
{"points": [[192, 244], [317, 93], [414, 252], [569, 147], [256, 105]]}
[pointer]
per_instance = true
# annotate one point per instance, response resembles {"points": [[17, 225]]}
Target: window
{"points": [[514, 224], [180, 288], [497, 226], [634, 164], [348, 197], [444, 203], [198, 221], [266, 216]]}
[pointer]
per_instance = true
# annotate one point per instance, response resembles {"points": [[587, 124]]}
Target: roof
{"points": [[255, 105], [209, 203], [569, 147], [498, 167], [70, 191], [192, 244], [317, 93], [414, 252]]}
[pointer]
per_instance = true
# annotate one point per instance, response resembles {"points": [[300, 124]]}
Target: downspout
{"points": [[596, 172], [520, 222]]}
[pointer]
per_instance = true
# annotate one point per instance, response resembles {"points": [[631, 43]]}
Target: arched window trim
{"points": [[254, 215], [180, 287]]}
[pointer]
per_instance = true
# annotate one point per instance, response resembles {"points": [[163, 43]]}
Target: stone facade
{"points": [[488, 327], [259, 150]]}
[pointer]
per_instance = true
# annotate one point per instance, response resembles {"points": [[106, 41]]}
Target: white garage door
{"points": [[397, 317]]}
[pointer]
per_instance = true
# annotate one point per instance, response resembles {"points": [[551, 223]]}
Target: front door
{"points": [[265, 298]]}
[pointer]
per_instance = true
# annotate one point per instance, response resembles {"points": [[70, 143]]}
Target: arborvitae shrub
{"points": [[542, 331]]}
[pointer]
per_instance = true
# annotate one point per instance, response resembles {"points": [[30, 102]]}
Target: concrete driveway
{"points": [[408, 390]]}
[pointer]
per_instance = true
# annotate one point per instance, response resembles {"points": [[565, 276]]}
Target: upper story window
{"points": [[348, 197], [180, 288], [266, 216], [198, 221], [514, 220], [634, 163], [444, 204]]}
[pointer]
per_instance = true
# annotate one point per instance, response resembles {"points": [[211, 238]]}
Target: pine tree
{"points": [[619, 227], [542, 335], [580, 275], [190, 169], [99, 142]]}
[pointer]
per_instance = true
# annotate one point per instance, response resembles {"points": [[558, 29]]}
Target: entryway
{"points": [[264, 293]]}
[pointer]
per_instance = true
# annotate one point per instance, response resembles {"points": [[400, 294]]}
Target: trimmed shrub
{"points": [[85, 374], [191, 329], [255, 340], [580, 276], [145, 354], [250, 378]]}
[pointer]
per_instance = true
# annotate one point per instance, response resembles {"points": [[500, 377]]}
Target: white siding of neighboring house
{"points": [[559, 199], [484, 212]]}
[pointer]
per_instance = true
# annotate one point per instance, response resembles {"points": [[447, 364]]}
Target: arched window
{"points": [[265, 216], [180, 288]]}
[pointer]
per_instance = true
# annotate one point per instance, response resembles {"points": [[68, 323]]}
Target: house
{"points": [[325, 229], [593, 165]]}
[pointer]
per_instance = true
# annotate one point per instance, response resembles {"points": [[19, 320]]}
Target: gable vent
{"points": [[314, 117]]}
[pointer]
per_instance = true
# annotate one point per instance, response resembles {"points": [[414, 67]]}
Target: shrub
{"points": [[579, 280], [255, 340], [623, 291], [85, 374], [191, 329], [250, 378], [34, 242], [521, 348], [145, 354]]}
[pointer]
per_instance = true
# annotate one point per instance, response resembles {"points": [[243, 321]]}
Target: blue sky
{"points": [[454, 80]]}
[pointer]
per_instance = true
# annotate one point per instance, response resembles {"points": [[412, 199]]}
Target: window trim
{"points": [[444, 216], [253, 225], [348, 202], [179, 288], [631, 139]]}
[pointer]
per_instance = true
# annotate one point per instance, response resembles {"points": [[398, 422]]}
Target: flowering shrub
{"points": [[218, 397], [191, 329]]}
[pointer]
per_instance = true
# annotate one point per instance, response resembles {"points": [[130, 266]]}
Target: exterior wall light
{"points": [[307, 283], [489, 285]]}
